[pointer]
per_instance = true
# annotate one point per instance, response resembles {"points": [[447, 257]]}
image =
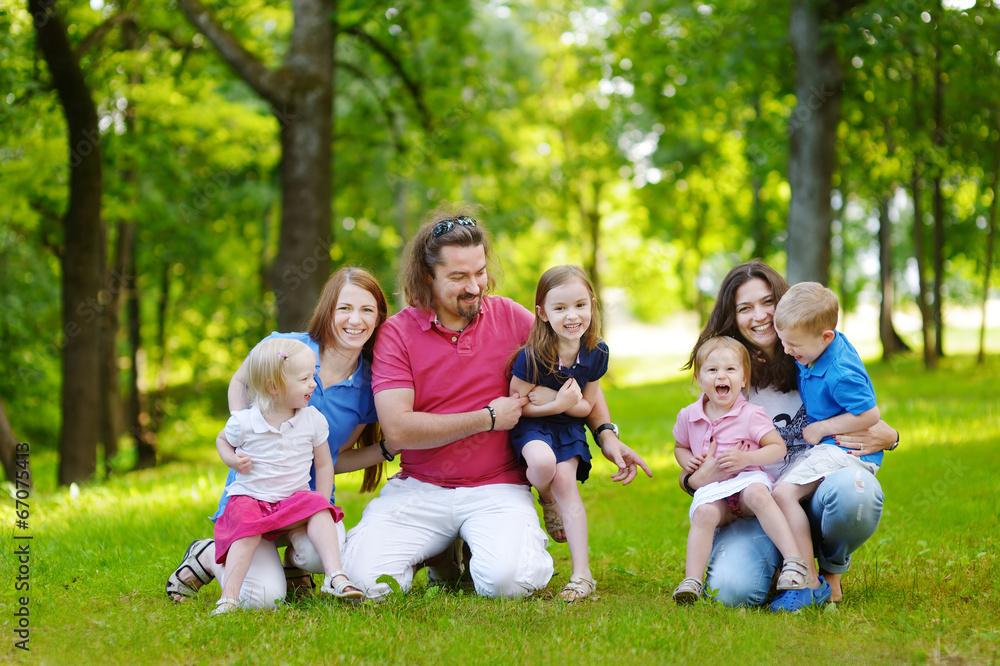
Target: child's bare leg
{"points": [[699, 545], [756, 500], [237, 564], [789, 498], [567, 493], [322, 533], [541, 463]]}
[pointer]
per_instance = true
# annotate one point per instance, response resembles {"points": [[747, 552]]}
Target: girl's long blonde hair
{"points": [[542, 343]]}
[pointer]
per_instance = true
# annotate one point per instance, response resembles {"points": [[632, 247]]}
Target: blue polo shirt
{"points": [[345, 406], [837, 383]]}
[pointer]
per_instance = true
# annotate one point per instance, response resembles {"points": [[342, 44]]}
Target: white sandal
{"points": [[226, 605], [580, 587], [345, 589], [689, 591], [177, 587], [794, 574]]}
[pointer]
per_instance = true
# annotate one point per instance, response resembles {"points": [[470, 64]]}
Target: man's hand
{"points": [[627, 460], [508, 410]]}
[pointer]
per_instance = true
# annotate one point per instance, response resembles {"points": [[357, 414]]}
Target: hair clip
{"points": [[283, 355]]}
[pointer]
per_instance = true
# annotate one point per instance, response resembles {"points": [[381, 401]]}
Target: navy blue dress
{"points": [[565, 434]]}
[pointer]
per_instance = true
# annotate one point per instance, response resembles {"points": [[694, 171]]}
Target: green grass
{"points": [[923, 589]]}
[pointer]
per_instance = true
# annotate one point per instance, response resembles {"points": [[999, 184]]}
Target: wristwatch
{"points": [[893, 447], [601, 428]]}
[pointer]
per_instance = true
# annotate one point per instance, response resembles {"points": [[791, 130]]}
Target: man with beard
{"points": [[441, 376]]}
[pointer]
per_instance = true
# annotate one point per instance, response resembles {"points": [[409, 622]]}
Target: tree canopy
{"points": [[654, 143]]}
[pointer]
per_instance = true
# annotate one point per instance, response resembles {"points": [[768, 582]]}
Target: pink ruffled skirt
{"points": [[245, 516]]}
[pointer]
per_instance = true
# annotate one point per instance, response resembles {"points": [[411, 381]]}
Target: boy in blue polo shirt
{"points": [[838, 397]]}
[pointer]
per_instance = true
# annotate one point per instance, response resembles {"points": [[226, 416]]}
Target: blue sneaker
{"points": [[795, 600]]}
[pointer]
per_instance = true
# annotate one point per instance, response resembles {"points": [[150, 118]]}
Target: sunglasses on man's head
{"points": [[444, 226]]}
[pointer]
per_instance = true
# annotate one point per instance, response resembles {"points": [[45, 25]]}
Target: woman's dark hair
{"points": [[779, 370]]}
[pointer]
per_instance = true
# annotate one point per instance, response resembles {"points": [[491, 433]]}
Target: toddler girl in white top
{"points": [[272, 447]]}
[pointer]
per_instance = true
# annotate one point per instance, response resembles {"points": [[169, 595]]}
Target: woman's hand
{"points": [[710, 470], [879, 437]]}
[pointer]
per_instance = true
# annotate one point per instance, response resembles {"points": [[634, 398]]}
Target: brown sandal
{"points": [[553, 520]]}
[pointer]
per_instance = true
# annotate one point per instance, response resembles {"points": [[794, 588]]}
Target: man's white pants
{"points": [[411, 521]]}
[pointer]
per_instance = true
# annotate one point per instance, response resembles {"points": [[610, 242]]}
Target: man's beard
{"points": [[468, 309]]}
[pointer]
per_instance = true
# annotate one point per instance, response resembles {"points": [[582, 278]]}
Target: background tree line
{"points": [[178, 179]]}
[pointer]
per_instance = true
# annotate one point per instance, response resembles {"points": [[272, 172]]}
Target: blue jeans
{"points": [[843, 512]]}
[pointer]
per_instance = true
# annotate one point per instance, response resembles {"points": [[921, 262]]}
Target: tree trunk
{"points": [[112, 296], [930, 358], [760, 231], [812, 133], [592, 220], [137, 417], [83, 257], [891, 341], [937, 259], [990, 241], [938, 255], [301, 96], [8, 448]]}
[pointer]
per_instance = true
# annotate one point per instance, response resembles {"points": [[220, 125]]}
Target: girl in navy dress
{"points": [[564, 352]]}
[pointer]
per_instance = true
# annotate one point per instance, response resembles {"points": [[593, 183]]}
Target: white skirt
{"points": [[723, 489], [820, 462]]}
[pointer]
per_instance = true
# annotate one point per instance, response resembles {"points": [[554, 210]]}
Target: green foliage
{"points": [[666, 122], [924, 588]]}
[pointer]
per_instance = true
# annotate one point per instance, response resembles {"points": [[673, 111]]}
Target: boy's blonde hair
{"points": [[808, 307], [723, 342], [266, 369]]}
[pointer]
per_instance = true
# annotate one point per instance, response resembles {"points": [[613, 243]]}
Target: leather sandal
{"points": [[794, 574], [579, 588], [553, 520], [689, 591], [345, 589], [226, 605], [298, 583], [175, 586]]}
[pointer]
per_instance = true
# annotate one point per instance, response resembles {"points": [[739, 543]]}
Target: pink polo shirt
{"points": [[452, 373], [745, 422]]}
